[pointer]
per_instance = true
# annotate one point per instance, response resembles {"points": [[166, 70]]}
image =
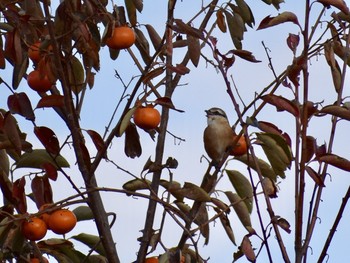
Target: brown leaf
{"points": [[11, 130], [132, 145], [227, 226], [340, 4], [220, 21], [154, 36], [37, 187], [131, 10], [293, 42], [19, 103], [337, 111], [246, 55], [284, 224], [194, 49], [336, 161], [193, 192], [179, 69], [186, 29], [166, 102], [48, 138], [86, 155], [51, 101], [315, 176], [281, 103], [152, 74], [236, 28], [247, 249], [293, 71], [19, 195], [96, 139], [50, 170], [276, 20], [310, 147], [142, 45], [269, 187]]}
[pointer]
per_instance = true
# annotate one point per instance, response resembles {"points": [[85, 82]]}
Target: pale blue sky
{"points": [[204, 88]]}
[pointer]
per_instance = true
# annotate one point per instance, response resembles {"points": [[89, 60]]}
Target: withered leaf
{"points": [[281, 103], [48, 138], [276, 20], [194, 49], [19, 103], [336, 161], [132, 145], [315, 176]]}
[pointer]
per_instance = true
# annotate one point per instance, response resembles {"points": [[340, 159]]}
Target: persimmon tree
{"points": [[63, 44]]}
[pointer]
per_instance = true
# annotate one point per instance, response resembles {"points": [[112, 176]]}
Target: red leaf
{"points": [[282, 104], [37, 186], [18, 194], [47, 190], [48, 138], [96, 139], [19, 103], [51, 171], [340, 4], [293, 42], [51, 101]]}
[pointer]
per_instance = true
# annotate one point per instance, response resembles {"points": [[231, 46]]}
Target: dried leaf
{"points": [[337, 111], [96, 139], [142, 45], [154, 36], [293, 42], [49, 101], [193, 192], [131, 11], [281, 18], [281, 103], [152, 74], [227, 226], [220, 21], [315, 176], [242, 186], [19, 103], [310, 148], [137, 184], [340, 4], [246, 55], [186, 29], [179, 69], [37, 186], [269, 187], [194, 49], [12, 132], [18, 193], [48, 138], [247, 249], [284, 224], [50, 171], [336, 161], [132, 145]]}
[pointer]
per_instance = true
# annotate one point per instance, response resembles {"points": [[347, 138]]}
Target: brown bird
{"points": [[218, 135]]}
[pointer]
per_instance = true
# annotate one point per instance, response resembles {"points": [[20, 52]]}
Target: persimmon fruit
{"points": [[240, 148], [34, 52], [151, 260], [38, 81], [34, 228], [45, 216], [36, 260], [122, 37], [62, 221], [147, 117]]}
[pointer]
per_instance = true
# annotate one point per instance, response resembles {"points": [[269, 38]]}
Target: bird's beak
{"points": [[207, 113]]}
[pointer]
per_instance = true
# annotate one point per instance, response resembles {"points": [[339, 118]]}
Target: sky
{"points": [[203, 88]]}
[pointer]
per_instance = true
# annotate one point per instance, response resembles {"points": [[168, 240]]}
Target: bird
{"points": [[218, 135]]}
